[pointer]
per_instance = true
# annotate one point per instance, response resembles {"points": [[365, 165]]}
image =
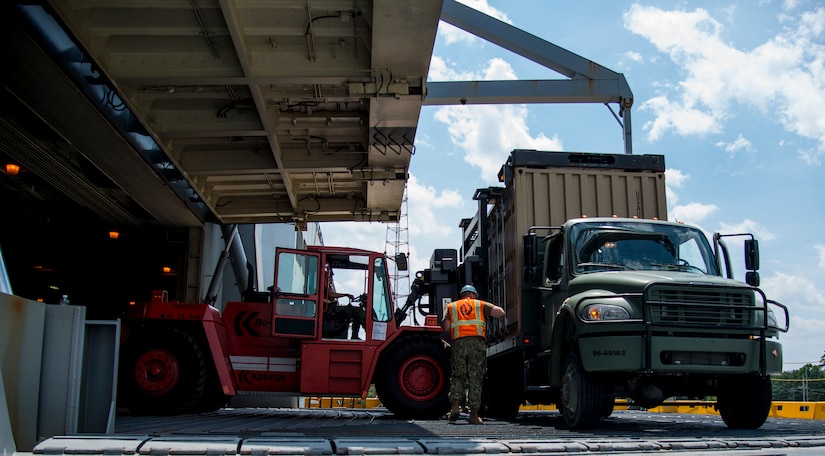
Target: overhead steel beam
{"points": [[234, 26], [524, 91], [589, 82]]}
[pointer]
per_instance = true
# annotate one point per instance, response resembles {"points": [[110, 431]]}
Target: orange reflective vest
{"points": [[467, 318]]}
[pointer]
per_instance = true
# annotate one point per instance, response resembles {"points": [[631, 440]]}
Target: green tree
{"points": [[805, 383]]}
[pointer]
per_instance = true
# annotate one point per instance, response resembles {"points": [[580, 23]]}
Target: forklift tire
{"points": [[213, 397], [582, 395], [413, 378], [163, 372], [744, 402]]}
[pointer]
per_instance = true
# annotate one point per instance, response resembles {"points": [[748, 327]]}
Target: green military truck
{"points": [[606, 299]]}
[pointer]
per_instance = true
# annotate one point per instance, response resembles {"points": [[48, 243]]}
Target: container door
{"points": [[296, 297]]}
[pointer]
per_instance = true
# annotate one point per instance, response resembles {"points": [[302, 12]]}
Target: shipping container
{"points": [[544, 188]]}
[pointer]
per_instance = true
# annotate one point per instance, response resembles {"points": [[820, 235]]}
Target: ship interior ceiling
{"points": [[150, 118], [153, 118]]}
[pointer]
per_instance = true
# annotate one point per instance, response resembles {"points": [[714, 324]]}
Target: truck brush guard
{"points": [[702, 307]]}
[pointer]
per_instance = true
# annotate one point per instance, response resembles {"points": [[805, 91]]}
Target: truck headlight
{"points": [[600, 312]]}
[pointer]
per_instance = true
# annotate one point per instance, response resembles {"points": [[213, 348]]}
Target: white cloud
{"points": [[634, 56], [820, 250], [454, 34], [484, 7], [487, 133], [804, 343], [683, 119], [431, 220], [423, 201], [730, 13], [499, 69], [738, 145], [442, 70], [691, 213], [812, 158], [674, 178], [363, 235], [806, 302], [784, 78], [748, 226], [494, 69], [628, 59]]}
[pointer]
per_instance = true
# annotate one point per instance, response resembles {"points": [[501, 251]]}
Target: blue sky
{"points": [[731, 93]]}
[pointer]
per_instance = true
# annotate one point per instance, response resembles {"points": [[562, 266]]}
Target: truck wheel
{"points": [[744, 402], [163, 371], [582, 395], [412, 378]]}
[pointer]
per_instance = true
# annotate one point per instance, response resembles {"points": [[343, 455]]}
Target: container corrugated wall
{"points": [[551, 197]]}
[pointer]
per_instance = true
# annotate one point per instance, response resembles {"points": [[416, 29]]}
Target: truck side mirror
{"points": [[752, 278], [751, 254]]}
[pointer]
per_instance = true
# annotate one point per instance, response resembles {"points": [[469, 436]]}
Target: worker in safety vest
{"points": [[466, 322]]}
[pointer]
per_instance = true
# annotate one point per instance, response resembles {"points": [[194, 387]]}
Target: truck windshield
{"points": [[639, 246]]}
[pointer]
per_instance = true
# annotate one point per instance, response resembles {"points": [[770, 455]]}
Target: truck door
{"points": [[554, 287], [296, 299]]}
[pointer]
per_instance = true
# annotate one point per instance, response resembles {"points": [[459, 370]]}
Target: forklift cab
{"points": [[304, 280]]}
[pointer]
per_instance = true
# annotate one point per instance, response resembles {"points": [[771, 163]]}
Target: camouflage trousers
{"points": [[468, 359]]}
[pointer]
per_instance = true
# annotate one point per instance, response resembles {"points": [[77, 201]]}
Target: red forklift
{"points": [[295, 340]]}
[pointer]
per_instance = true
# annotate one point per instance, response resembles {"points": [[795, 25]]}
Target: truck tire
{"points": [[163, 371], [744, 402], [412, 378], [582, 395]]}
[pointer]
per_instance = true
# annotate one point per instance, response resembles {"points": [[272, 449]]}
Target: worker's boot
{"points": [[454, 412], [355, 330], [474, 418]]}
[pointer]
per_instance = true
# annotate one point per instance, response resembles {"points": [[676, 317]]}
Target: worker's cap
{"points": [[468, 289]]}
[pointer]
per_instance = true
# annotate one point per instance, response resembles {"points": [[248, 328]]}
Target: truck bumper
{"points": [[678, 355]]}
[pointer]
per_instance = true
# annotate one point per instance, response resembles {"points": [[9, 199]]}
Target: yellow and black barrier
{"points": [[799, 410], [341, 402], [779, 409]]}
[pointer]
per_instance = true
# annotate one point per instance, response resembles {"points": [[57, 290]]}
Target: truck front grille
{"points": [[701, 306]]}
